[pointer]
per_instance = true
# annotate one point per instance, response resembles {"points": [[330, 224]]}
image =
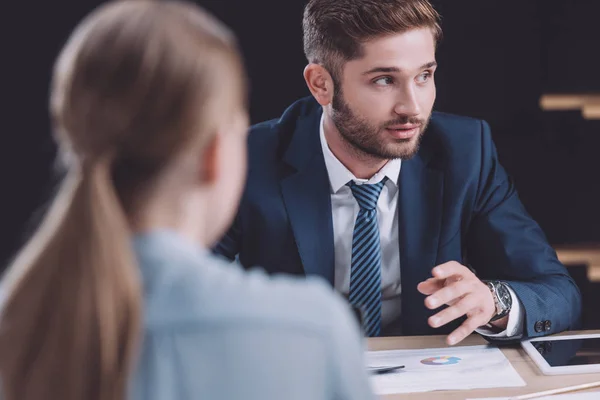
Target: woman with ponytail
{"points": [[115, 296]]}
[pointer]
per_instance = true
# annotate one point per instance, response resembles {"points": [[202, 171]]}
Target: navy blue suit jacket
{"points": [[456, 202]]}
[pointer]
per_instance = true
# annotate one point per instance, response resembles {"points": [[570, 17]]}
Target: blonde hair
{"points": [[138, 82]]}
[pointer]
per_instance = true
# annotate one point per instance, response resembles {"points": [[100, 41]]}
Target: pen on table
{"points": [[385, 370], [557, 391]]}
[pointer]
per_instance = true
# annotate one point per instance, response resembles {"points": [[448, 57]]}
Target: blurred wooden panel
{"points": [[588, 104], [582, 254]]}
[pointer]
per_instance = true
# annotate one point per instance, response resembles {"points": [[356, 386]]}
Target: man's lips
{"points": [[406, 131]]}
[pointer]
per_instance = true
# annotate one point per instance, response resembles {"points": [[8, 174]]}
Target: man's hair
{"points": [[334, 30]]}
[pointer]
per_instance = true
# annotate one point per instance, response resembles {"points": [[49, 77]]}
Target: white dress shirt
{"points": [[344, 209]]}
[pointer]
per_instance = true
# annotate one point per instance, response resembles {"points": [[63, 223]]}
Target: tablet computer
{"points": [[565, 354]]}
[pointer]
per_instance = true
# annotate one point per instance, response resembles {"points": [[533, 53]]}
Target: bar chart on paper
{"points": [[456, 368]]}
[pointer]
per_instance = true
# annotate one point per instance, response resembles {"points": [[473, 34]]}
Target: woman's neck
{"points": [[182, 214]]}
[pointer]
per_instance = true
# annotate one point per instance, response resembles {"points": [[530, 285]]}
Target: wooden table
{"points": [[518, 358]]}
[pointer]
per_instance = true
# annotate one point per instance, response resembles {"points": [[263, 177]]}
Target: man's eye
{"points": [[424, 77], [384, 81]]}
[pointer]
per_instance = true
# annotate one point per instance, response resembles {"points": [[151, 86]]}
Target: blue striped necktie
{"points": [[365, 275]]}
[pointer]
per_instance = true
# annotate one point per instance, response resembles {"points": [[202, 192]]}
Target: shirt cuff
{"points": [[515, 321]]}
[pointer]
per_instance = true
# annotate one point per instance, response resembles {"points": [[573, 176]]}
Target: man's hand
{"points": [[455, 285]]}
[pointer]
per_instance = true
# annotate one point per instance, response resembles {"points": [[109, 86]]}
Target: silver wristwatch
{"points": [[502, 298]]}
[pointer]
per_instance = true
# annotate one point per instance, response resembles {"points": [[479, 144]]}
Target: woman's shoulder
{"points": [[185, 285]]}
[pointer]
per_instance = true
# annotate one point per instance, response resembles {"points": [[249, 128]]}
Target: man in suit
{"points": [[405, 211]]}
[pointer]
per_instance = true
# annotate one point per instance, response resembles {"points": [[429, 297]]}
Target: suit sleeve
{"points": [[229, 246], [505, 243]]}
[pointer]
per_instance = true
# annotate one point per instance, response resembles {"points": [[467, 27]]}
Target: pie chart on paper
{"points": [[442, 360], [434, 369]]}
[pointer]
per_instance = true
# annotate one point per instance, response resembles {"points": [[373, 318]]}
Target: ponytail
{"points": [[140, 78], [70, 321]]}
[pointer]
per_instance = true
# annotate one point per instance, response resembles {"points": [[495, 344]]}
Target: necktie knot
{"points": [[368, 194]]}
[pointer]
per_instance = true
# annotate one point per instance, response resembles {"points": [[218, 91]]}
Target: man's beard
{"points": [[365, 137]]}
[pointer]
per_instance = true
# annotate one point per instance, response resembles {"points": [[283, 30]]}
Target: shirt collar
{"points": [[339, 175]]}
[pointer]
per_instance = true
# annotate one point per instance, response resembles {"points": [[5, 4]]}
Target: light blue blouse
{"points": [[214, 331]]}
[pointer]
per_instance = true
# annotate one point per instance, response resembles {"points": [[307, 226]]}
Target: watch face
{"points": [[504, 296]]}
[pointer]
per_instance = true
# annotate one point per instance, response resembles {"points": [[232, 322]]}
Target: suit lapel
{"points": [[420, 203], [306, 193]]}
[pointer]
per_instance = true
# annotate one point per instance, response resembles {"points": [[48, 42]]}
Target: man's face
{"points": [[384, 100]]}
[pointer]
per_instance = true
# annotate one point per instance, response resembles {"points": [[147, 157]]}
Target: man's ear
{"points": [[209, 162], [319, 83]]}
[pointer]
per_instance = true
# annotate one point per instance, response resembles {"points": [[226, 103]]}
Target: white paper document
{"points": [[453, 368], [574, 396]]}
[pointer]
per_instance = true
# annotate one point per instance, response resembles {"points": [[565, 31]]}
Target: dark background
{"points": [[496, 59]]}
